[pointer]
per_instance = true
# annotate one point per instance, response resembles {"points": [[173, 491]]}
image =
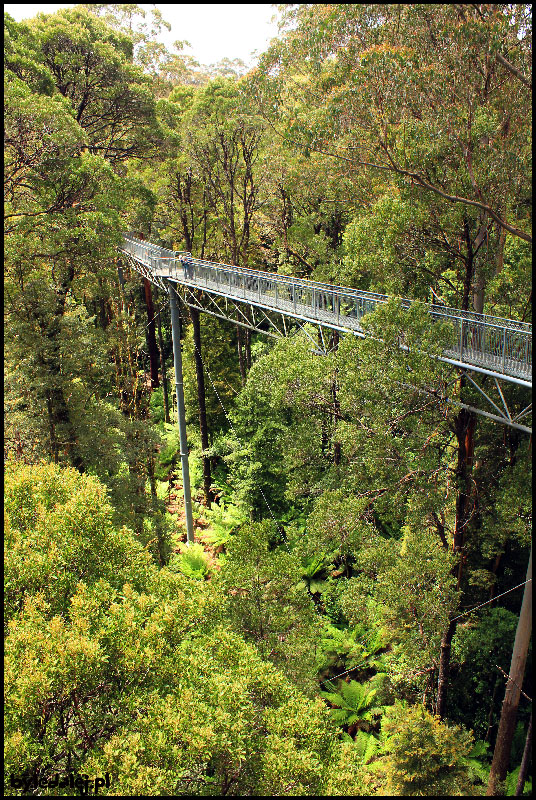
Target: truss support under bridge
{"points": [[490, 351]]}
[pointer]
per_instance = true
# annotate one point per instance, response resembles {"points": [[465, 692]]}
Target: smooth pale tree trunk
{"points": [[507, 723]]}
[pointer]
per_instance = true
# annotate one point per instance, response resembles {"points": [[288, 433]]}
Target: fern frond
{"points": [[366, 745]]}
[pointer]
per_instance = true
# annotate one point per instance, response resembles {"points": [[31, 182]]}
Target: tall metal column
{"points": [[177, 358]]}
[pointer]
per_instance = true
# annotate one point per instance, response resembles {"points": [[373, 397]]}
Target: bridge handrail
{"points": [[494, 345], [438, 310], [447, 312]]}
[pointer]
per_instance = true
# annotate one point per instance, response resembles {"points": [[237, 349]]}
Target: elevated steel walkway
{"points": [[486, 346], [500, 348]]}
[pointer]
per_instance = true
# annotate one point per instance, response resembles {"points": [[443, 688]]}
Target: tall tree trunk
{"points": [[205, 212], [491, 708], [163, 368], [468, 266], [150, 334], [525, 762], [157, 520], [479, 281], [62, 432], [201, 400], [62, 429], [444, 668], [464, 430], [248, 347], [326, 416], [150, 330], [478, 293], [336, 418], [499, 262], [241, 358], [336, 405], [103, 313], [507, 723], [53, 442]]}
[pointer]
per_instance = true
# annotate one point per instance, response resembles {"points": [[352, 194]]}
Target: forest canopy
{"points": [[343, 624]]}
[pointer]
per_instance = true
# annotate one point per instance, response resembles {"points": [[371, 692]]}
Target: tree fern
{"points": [[479, 769], [353, 701], [366, 746], [312, 569], [511, 784], [192, 562], [223, 521]]}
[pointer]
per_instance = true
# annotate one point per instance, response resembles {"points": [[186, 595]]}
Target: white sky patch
{"points": [[214, 30]]}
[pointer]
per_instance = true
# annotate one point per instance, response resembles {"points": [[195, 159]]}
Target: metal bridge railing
{"points": [[491, 344]]}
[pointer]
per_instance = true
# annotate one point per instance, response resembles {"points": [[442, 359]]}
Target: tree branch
{"points": [[514, 70], [393, 167]]}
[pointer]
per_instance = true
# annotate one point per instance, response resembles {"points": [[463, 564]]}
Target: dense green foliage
{"points": [[313, 640]]}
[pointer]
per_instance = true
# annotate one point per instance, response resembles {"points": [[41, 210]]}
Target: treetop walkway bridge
{"points": [[485, 348], [493, 346]]}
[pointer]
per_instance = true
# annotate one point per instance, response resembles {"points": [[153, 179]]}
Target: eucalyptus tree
{"points": [[76, 109], [434, 100], [91, 65], [419, 536], [209, 190]]}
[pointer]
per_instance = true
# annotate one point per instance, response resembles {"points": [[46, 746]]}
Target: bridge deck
{"points": [[492, 345]]}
